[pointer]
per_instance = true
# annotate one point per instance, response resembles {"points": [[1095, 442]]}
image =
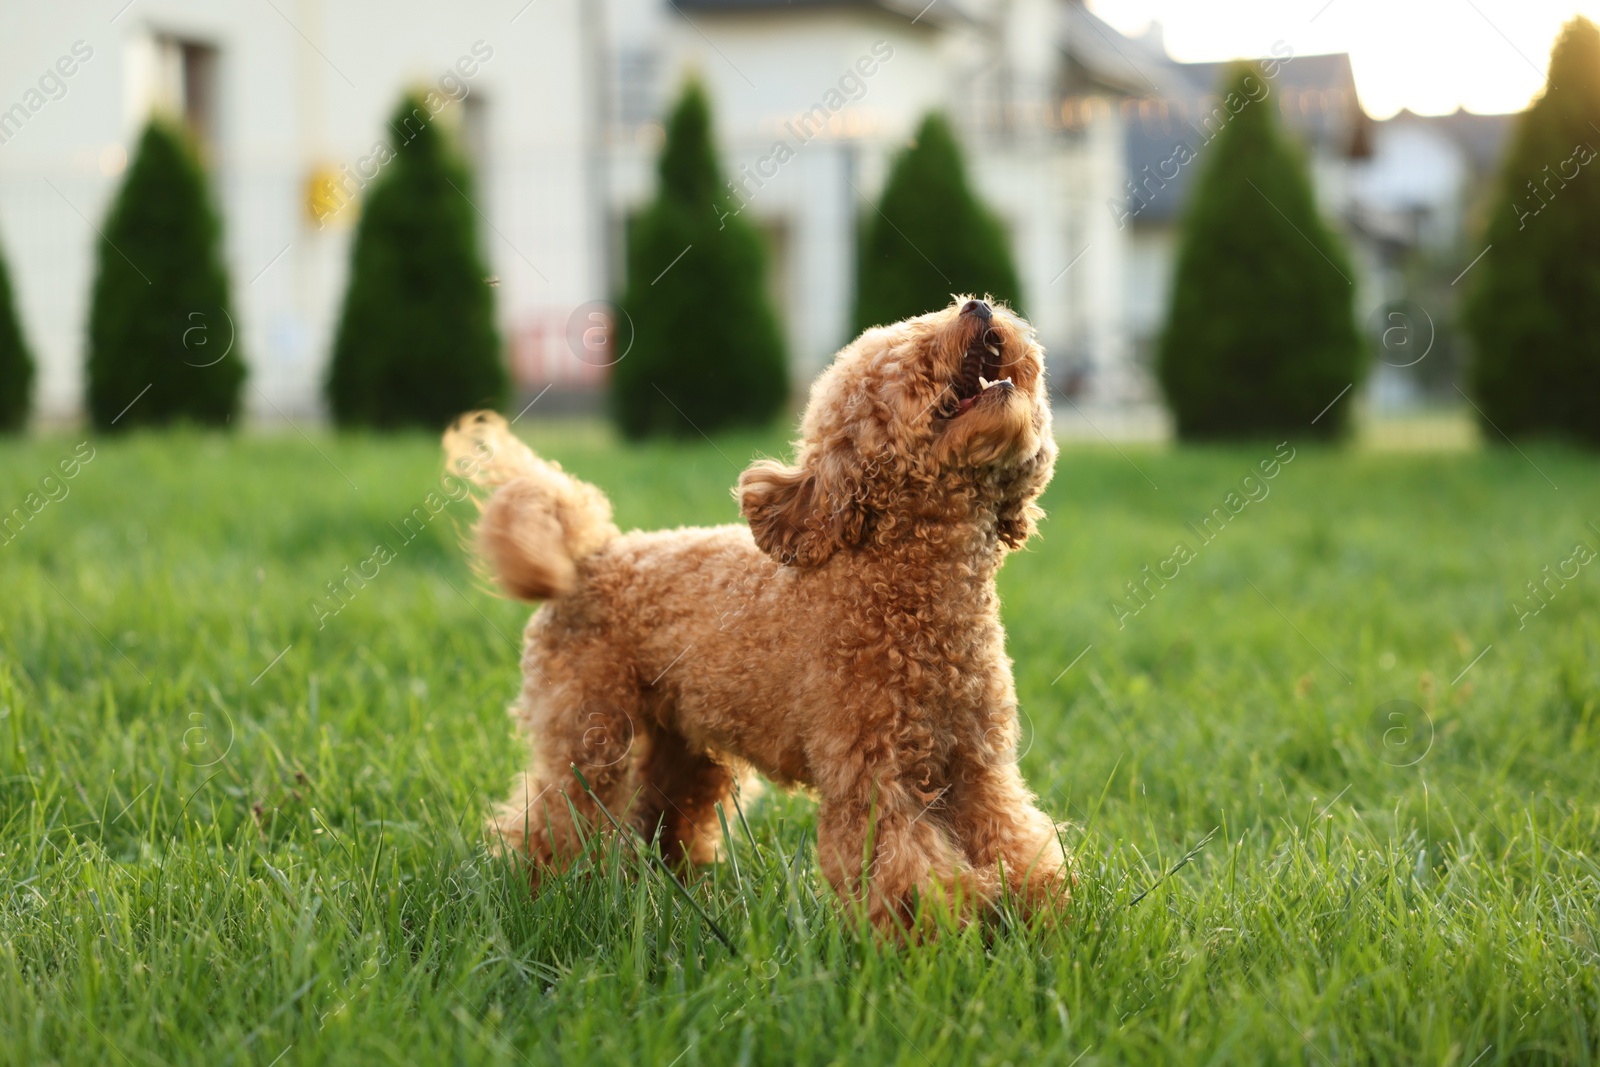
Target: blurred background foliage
{"points": [[161, 321], [1534, 311], [929, 237], [706, 350], [417, 343], [1260, 335]]}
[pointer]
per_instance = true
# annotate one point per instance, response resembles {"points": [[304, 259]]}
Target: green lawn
{"points": [[217, 851]]}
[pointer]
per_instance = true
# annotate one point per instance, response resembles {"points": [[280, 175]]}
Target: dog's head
{"points": [[940, 419]]}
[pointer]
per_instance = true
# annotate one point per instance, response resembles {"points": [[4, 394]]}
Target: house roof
{"points": [[912, 10], [1315, 96], [1100, 56]]}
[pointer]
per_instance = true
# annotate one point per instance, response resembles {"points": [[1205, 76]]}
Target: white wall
{"points": [[1151, 262]]}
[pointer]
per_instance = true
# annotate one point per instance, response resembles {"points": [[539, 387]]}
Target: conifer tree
{"points": [[162, 334], [706, 352], [929, 237], [417, 343], [1260, 336], [16, 364], [1534, 307]]}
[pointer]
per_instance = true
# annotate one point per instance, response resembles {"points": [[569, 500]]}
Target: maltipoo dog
{"points": [[847, 640]]}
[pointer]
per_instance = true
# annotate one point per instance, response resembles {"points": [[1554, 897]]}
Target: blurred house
{"points": [[1069, 125], [1415, 209]]}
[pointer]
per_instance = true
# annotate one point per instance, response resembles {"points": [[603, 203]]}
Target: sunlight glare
{"points": [[1428, 55]]}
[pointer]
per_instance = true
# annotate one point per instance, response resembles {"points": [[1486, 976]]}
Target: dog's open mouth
{"points": [[980, 371]]}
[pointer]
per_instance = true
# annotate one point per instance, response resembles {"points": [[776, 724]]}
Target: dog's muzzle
{"points": [[980, 367]]}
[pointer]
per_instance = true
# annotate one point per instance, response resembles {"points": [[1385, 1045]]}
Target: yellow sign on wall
{"points": [[332, 197]]}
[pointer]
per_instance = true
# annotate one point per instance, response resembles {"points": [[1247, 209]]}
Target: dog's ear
{"points": [[1018, 514], [801, 515]]}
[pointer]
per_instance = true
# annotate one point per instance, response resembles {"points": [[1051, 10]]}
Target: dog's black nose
{"points": [[978, 308]]}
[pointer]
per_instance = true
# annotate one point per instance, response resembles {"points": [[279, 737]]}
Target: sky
{"points": [[1427, 55]]}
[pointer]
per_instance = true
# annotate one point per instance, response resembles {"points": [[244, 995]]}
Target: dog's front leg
{"points": [[880, 844], [992, 813]]}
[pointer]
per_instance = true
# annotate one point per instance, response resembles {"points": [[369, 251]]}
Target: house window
{"points": [[475, 136], [636, 87], [184, 85]]}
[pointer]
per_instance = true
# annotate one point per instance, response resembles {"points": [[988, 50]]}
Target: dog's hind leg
{"points": [[679, 787], [578, 709]]}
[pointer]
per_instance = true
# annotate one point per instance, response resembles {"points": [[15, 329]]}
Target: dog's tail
{"points": [[536, 521]]}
